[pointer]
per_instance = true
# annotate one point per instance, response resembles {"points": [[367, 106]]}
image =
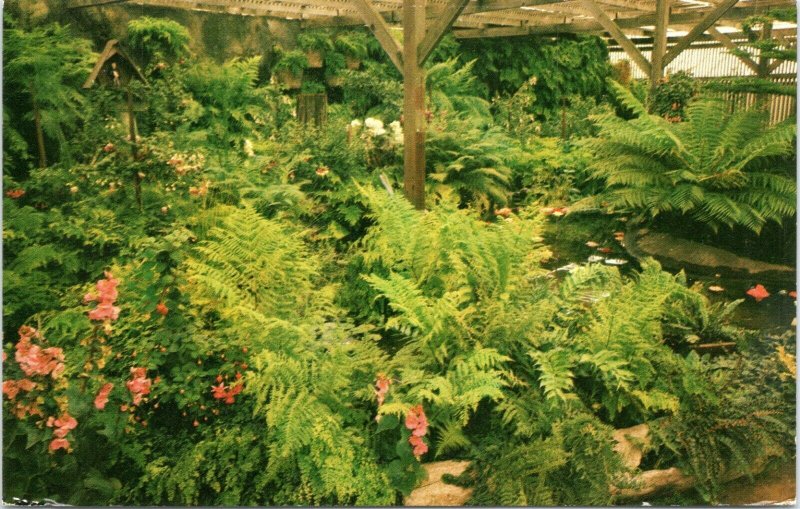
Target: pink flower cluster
{"points": [[223, 392], [381, 388], [139, 384], [102, 396], [34, 360], [418, 424], [106, 295], [12, 387], [63, 425]]}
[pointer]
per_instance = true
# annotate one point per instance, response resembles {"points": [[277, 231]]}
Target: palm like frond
{"points": [[719, 168]]}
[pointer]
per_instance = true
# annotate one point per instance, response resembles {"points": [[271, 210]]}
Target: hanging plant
{"points": [[353, 45], [289, 68], [315, 45], [335, 63]]}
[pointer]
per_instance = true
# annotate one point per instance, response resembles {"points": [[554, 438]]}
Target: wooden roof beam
{"points": [[612, 28], [436, 31], [708, 21], [731, 46], [378, 26]]}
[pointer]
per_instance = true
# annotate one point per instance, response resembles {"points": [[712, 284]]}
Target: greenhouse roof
{"points": [[479, 18]]}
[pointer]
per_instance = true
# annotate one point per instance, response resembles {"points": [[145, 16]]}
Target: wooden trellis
{"points": [[424, 22]]}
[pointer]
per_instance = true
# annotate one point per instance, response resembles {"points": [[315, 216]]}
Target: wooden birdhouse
{"points": [[113, 68]]}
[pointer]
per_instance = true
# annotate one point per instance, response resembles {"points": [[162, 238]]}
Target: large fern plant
{"points": [[717, 168]]}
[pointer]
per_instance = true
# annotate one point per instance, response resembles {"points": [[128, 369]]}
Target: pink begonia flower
{"points": [[102, 396], [59, 443], [139, 385], [417, 422], [10, 388], [106, 295]]}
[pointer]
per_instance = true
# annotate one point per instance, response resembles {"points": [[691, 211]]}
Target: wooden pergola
{"points": [[424, 23]]}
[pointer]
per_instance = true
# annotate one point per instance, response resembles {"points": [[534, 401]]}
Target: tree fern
{"points": [[719, 168]]}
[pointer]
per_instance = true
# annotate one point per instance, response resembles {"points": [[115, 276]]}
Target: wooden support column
{"points": [[615, 32], [413, 103], [704, 24], [657, 60], [763, 62]]}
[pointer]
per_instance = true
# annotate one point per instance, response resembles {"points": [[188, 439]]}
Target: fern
{"points": [[710, 167]]}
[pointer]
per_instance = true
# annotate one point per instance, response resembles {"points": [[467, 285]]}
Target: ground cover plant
{"points": [[247, 311]]}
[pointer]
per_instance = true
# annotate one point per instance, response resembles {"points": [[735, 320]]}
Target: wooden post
{"points": [[312, 108], [413, 103], [37, 123], [137, 180], [659, 46]]}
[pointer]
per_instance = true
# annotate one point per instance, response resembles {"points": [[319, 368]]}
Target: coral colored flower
{"points": [[792, 294], [381, 388], [504, 212], [4, 356], [758, 292], [59, 443], [219, 391], [419, 445], [101, 399], [26, 385], [15, 193], [139, 384], [106, 295], [66, 421], [33, 360], [10, 388], [109, 147], [162, 309]]}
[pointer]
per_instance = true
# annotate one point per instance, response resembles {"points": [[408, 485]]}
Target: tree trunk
{"points": [[137, 180], [37, 121]]}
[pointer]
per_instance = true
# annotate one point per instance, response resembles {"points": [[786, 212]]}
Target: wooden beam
{"points": [[612, 28], [708, 21], [413, 103], [436, 31], [378, 26], [731, 46], [657, 55]]}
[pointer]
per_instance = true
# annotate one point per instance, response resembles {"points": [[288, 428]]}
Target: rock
{"points": [[630, 442], [679, 253], [434, 492]]}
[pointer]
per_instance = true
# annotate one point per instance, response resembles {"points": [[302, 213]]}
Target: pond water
{"points": [[772, 315]]}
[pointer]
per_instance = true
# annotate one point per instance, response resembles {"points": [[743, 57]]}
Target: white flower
{"points": [[248, 148], [375, 126], [397, 132], [355, 124]]}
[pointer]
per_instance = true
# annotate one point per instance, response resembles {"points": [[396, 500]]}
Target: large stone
{"points": [[434, 491], [677, 253], [631, 442]]}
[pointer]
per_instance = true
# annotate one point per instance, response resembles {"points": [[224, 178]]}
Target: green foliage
{"points": [[313, 40], [353, 44], [155, 39], [289, 312], [672, 96], [293, 61], [43, 70], [570, 65], [718, 168]]}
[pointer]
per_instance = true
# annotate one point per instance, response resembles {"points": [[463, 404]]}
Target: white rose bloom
{"points": [[373, 124], [356, 123]]}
